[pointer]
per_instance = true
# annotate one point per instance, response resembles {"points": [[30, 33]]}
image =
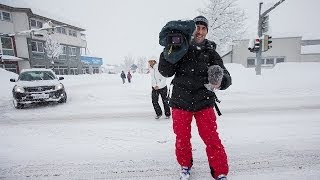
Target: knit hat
{"points": [[201, 20]]}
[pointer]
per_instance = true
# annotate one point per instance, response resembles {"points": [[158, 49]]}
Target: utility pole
{"points": [[262, 28]]}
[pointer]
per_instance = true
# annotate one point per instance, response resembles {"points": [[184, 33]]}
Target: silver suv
{"points": [[37, 85]]}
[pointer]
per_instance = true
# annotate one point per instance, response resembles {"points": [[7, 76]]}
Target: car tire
{"points": [[64, 99], [17, 105]]}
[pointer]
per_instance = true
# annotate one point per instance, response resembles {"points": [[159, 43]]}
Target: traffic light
{"points": [[266, 42], [269, 42], [254, 45], [265, 24], [251, 45]]}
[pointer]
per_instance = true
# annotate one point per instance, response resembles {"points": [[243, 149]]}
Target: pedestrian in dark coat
{"points": [[123, 77], [190, 98], [129, 76]]}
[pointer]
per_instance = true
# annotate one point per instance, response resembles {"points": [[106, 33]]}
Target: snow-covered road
{"points": [[106, 130]]}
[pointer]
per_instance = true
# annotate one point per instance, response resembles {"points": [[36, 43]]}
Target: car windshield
{"points": [[36, 76]]}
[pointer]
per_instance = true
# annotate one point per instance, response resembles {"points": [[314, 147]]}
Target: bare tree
{"points": [[226, 22], [142, 61], [128, 62], [53, 48]]}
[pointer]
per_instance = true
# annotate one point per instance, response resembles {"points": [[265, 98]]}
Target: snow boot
{"points": [[185, 173], [222, 177], [157, 117]]}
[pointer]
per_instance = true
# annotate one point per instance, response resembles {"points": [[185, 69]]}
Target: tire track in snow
{"points": [[152, 169]]}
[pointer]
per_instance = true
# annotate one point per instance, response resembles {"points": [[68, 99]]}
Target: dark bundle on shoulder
{"points": [[175, 36]]}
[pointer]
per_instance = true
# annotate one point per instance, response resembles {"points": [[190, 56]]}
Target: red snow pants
{"points": [[207, 128]]}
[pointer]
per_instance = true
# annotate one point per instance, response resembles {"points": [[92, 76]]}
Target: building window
{"points": [[7, 46], [37, 50], [72, 33], [63, 55], [61, 30], [37, 47], [72, 51], [73, 70], [60, 70], [5, 16], [85, 70], [279, 60], [270, 61], [251, 62], [39, 66], [83, 36], [95, 70], [35, 23], [39, 24], [11, 67], [58, 29]]}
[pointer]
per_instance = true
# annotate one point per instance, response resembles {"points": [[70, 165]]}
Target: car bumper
{"points": [[27, 98]]}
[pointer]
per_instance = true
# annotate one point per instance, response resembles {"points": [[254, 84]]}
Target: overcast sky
{"points": [[119, 28]]}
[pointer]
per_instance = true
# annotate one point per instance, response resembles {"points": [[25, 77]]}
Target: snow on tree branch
{"points": [[52, 47], [226, 22], [128, 62]]}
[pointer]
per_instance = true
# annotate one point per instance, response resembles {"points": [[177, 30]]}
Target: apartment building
{"points": [[21, 48]]}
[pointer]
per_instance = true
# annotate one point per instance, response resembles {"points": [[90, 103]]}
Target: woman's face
{"points": [[152, 63]]}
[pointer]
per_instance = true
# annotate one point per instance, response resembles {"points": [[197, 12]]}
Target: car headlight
{"points": [[59, 86], [19, 89]]}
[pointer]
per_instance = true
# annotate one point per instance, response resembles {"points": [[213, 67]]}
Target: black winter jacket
{"points": [[191, 73]]}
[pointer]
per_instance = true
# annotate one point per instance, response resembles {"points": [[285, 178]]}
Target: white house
{"points": [[286, 49]]}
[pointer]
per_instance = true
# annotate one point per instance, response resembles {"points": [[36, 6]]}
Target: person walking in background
{"points": [[190, 98], [129, 76], [123, 77], [159, 87]]}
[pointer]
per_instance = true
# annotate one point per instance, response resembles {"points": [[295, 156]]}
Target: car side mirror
{"points": [[61, 78], [12, 80]]}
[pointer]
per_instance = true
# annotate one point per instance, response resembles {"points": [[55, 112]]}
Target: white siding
{"points": [[227, 58], [20, 21], [310, 57], [23, 65], [290, 48], [6, 26]]}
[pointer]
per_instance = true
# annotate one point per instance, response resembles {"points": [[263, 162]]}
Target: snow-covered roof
{"points": [[36, 69], [11, 58]]}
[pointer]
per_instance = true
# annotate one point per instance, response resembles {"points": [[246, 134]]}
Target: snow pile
{"points": [[6, 86]]}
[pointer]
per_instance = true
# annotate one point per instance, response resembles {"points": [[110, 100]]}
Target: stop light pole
{"points": [[259, 52], [263, 27]]}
